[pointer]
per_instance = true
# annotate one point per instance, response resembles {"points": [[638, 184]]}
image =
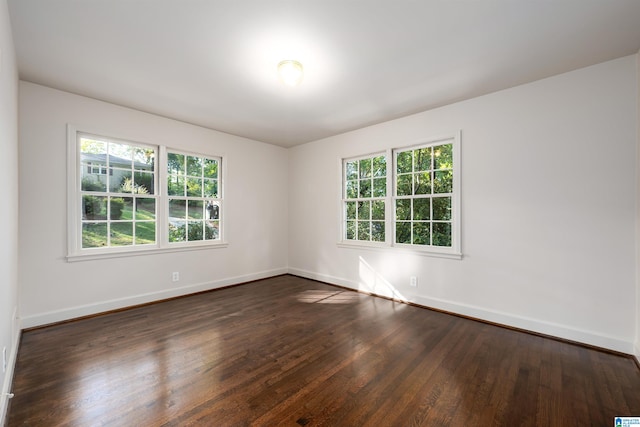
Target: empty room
{"points": [[336, 213]]}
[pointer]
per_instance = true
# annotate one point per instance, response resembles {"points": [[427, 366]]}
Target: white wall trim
{"points": [[115, 304], [7, 381], [534, 325]]}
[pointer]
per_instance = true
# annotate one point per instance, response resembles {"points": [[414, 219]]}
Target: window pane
{"points": [[352, 170], [403, 232], [352, 189], [195, 209], [117, 181], [145, 209], [143, 183], [194, 187], [442, 208], [195, 230], [91, 182], [94, 234], [443, 182], [212, 230], [143, 159], [441, 234], [379, 166], [351, 230], [177, 209], [443, 156], [422, 159], [365, 188], [175, 185], [422, 183], [379, 187], [365, 168], [121, 233], [404, 160], [377, 231], [403, 209], [363, 230], [421, 209], [116, 208], [145, 232], [94, 149], [377, 209], [421, 233], [194, 166], [175, 164], [351, 210], [120, 155], [177, 231], [210, 168], [364, 209], [210, 188], [94, 207], [213, 210], [404, 185]]}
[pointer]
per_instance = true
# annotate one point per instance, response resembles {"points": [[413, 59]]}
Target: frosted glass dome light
{"points": [[290, 72]]}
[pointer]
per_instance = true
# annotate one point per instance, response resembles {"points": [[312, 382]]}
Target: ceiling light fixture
{"points": [[290, 72]]}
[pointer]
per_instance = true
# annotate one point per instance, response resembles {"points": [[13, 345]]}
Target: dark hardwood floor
{"points": [[288, 351]]}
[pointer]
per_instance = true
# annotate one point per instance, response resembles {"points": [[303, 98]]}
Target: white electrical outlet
{"points": [[175, 276], [413, 281]]}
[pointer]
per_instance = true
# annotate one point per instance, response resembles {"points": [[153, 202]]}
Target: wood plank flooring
{"points": [[288, 351]]}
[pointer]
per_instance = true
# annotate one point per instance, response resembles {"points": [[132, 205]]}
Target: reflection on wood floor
{"points": [[287, 351]]}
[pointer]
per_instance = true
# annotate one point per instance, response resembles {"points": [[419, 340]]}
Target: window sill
{"points": [[402, 249], [90, 256]]}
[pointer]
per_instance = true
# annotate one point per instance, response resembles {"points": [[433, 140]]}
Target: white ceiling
{"points": [[213, 62]]}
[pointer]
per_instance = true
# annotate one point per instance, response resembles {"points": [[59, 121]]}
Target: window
{"points": [[423, 195], [416, 208], [133, 197], [194, 203], [364, 192], [118, 208]]}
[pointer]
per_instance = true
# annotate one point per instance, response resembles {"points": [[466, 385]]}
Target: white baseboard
{"points": [[115, 304], [534, 325], [7, 381]]}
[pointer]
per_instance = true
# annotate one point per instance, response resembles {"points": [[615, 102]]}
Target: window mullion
{"points": [[162, 199]]}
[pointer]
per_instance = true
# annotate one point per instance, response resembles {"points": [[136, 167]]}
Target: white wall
{"points": [[52, 289], [9, 326], [548, 208]]}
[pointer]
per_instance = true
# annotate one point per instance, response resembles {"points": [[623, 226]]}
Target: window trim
{"points": [[452, 252], [344, 199], [165, 206], [75, 252]]}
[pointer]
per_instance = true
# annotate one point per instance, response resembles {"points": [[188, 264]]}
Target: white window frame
{"points": [[452, 252], [219, 199], [345, 199], [75, 252]]}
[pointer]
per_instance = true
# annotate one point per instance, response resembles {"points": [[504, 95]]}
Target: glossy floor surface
{"points": [[288, 351]]}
